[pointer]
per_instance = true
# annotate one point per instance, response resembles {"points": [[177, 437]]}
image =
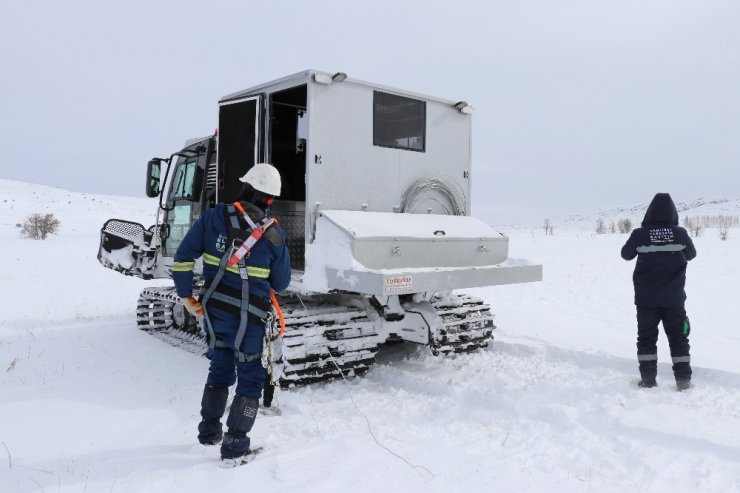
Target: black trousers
{"points": [[677, 328]]}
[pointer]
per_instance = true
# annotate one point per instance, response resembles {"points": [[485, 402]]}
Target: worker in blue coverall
{"points": [[234, 329], [663, 249]]}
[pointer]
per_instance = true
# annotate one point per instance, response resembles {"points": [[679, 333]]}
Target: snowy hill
{"points": [[694, 207], [91, 404], [80, 212], [635, 213], [60, 278]]}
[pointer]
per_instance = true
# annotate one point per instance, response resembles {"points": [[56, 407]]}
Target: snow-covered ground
{"points": [[90, 404]]}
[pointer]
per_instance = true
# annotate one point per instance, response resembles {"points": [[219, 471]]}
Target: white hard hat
{"points": [[263, 177]]}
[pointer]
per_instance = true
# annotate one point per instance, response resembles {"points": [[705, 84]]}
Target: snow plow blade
{"points": [[125, 247]]}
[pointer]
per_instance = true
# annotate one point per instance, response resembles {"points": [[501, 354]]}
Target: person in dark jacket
{"points": [[235, 304], [663, 249]]}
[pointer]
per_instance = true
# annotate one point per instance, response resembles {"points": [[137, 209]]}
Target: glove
{"points": [[193, 306]]}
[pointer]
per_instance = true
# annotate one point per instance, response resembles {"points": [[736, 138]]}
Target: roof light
{"points": [[326, 79], [322, 78], [464, 107]]}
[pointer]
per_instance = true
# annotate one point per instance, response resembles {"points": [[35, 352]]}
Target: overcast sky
{"points": [[578, 104]]}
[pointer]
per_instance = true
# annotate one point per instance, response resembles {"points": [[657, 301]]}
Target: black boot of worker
{"points": [[683, 384], [240, 421], [212, 408], [647, 383]]}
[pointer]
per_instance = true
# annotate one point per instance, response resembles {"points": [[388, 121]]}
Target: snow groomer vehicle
{"points": [[376, 203]]}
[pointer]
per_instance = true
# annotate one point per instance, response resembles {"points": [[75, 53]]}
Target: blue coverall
{"points": [[268, 267]]}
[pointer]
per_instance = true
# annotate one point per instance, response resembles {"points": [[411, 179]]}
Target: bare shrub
{"points": [[724, 227], [600, 227], [624, 225], [39, 226], [548, 227], [693, 225]]}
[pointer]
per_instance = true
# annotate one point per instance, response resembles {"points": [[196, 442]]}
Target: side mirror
{"points": [[153, 172]]}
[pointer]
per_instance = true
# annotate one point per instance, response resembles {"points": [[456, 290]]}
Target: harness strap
{"points": [[232, 216], [233, 211], [209, 292], [246, 245], [245, 307], [243, 357], [230, 300], [244, 302], [238, 206]]}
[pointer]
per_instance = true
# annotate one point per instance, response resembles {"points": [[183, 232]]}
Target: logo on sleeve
{"points": [[221, 243]]}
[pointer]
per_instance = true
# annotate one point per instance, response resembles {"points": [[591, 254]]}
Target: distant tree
{"points": [[600, 227], [39, 226], [547, 226], [624, 225], [724, 227], [612, 228], [693, 226]]}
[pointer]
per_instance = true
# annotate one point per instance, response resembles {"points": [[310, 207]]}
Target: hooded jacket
{"points": [[663, 249]]}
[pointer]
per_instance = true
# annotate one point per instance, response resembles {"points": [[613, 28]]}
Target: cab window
{"points": [[182, 182]]}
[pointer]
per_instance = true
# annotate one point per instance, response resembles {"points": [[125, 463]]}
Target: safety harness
{"points": [[231, 299]]}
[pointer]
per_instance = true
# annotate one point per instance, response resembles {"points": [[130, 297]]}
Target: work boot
{"points": [[682, 384], [240, 421], [212, 408], [647, 383]]}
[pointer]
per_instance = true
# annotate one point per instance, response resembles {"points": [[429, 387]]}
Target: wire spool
{"points": [[432, 195]]}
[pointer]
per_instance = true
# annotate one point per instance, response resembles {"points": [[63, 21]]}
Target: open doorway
{"points": [[288, 136]]}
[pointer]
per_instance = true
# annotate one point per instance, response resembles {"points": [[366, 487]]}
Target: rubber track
{"points": [[468, 325], [321, 336], [154, 314]]}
